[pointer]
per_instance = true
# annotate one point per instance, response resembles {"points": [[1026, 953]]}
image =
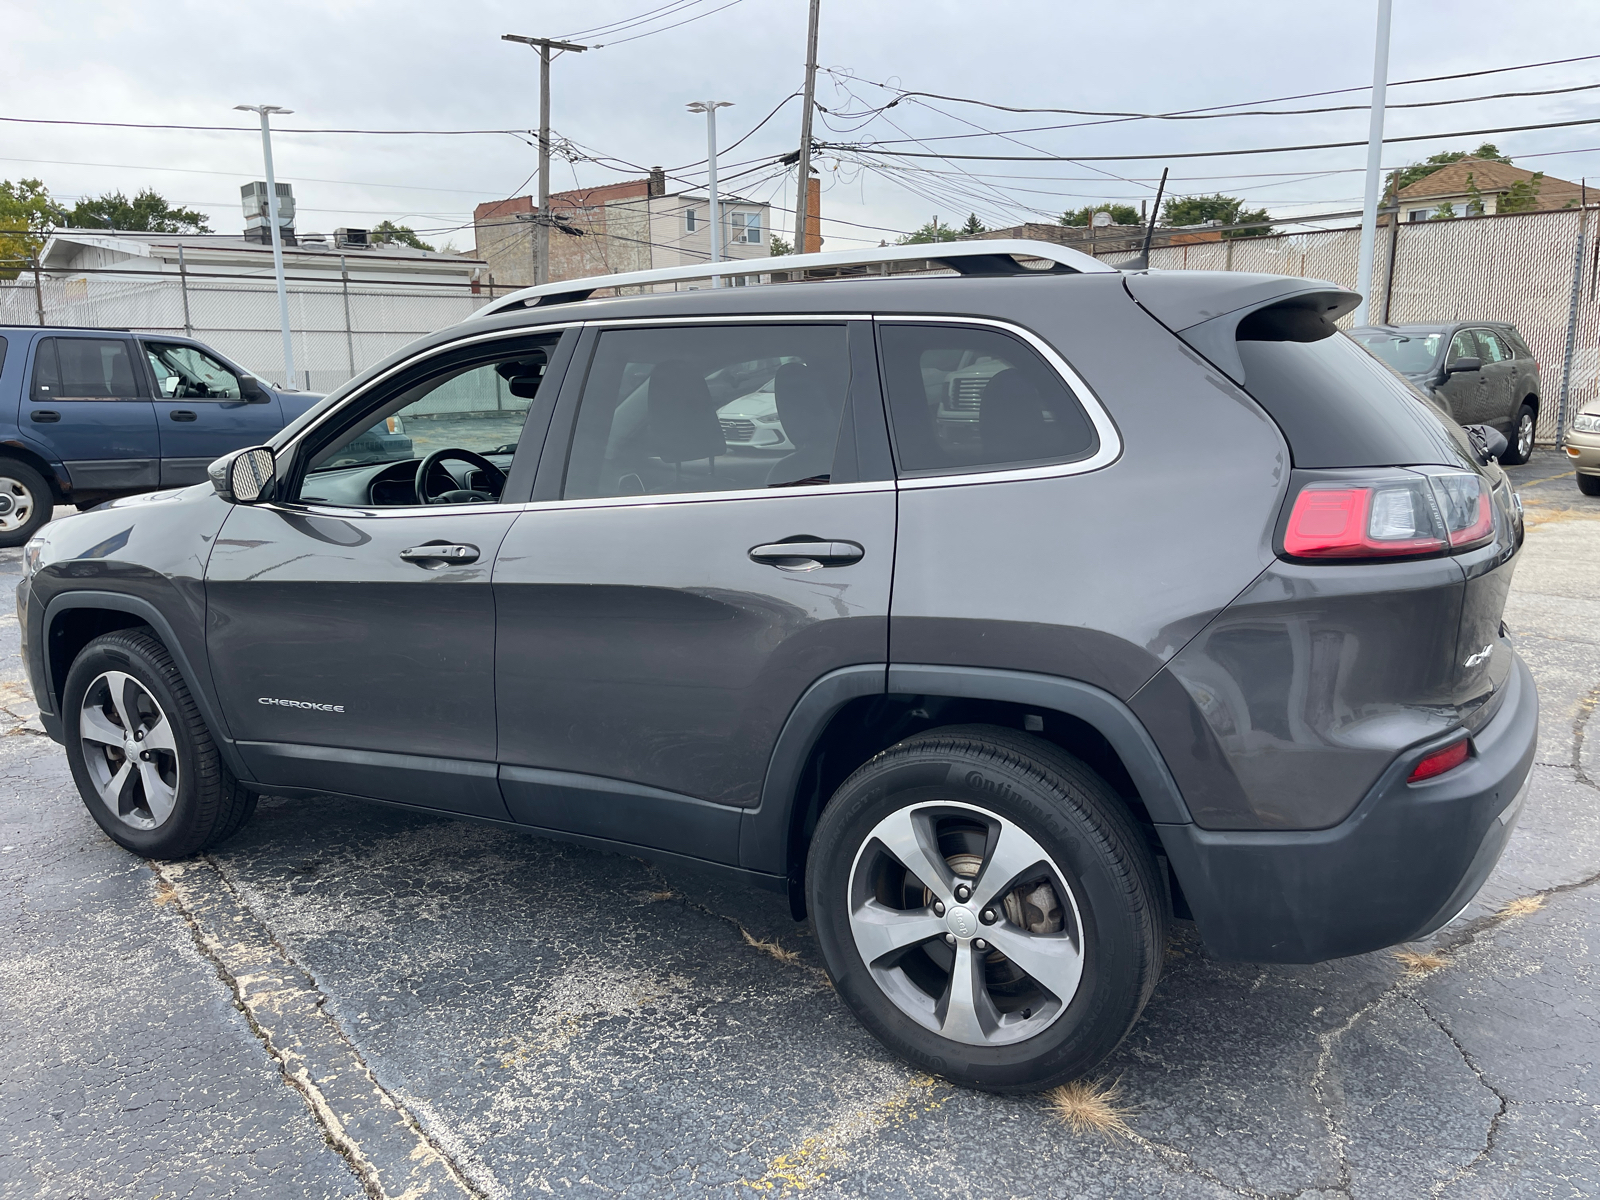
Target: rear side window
{"points": [[83, 369], [2, 354], [1490, 348], [1337, 405], [969, 398]]}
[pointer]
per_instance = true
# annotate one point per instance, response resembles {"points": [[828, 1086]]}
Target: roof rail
{"points": [[996, 256]]}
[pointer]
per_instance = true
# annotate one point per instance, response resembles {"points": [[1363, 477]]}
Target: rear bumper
{"points": [[1407, 860]]}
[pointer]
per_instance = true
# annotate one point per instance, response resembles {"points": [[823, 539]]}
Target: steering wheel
{"points": [[492, 474]]}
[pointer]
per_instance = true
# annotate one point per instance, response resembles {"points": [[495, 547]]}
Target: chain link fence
{"points": [[1535, 270], [336, 332]]}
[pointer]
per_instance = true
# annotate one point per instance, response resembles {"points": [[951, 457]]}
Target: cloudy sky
{"points": [[409, 65]]}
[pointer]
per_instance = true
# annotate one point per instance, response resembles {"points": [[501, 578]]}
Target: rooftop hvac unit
{"points": [[258, 215], [351, 239]]}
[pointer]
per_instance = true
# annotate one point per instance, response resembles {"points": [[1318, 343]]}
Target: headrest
{"points": [[1011, 419], [683, 422], [808, 406]]}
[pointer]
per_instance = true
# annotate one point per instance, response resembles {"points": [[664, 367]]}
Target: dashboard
{"points": [[392, 484]]}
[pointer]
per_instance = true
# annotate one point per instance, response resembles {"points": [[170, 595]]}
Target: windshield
{"points": [[1410, 354]]}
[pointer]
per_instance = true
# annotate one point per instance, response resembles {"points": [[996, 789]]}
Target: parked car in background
{"points": [[88, 415], [1583, 448], [1480, 372], [1194, 611]]}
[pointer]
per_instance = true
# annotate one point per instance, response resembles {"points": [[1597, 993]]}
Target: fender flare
{"points": [[764, 836], [152, 616]]}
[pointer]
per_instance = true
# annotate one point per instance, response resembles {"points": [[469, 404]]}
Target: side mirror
{"points": [[250, 389], [245, 476], [1488, 441], [1463, 364]]}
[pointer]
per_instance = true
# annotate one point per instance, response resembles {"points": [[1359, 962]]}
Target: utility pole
{"points": [[1369, 207], [709, 107], [802, 204], [265, 111], [541, 224]]}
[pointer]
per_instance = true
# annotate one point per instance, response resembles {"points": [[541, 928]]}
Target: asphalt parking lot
{"points": [[349, 1000]]}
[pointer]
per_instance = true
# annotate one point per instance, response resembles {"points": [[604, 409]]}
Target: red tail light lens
{"points": [[1440, 761], [1464, 504], [1385, 520]]}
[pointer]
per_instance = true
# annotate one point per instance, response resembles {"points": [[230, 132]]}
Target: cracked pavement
{"points": [[347, 1000]]}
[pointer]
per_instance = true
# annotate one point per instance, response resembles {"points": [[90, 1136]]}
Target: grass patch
{"points": [[1522, 906], [1419, 963], [787, 957], [1090, 1106]]}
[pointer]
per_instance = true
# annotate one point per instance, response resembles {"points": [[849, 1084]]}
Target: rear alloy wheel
{"points": [[25, 502], [1520, 448], [987, 907], [142, 757]]}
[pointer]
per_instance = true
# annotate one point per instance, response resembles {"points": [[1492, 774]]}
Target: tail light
{"points": [[1405, 515], [1440, 761]]}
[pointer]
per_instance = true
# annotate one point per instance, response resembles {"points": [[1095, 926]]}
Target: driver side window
{"points": [[446, 440]]}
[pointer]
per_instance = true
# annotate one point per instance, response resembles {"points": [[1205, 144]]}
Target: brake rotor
{"points": [[1031, 906]]}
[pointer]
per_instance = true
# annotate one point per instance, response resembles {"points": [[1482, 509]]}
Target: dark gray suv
{"points": [[1188, 608]]}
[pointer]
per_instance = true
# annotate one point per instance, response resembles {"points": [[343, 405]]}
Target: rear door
{"points": [[672, 593], [201, 411], [88, 406]]}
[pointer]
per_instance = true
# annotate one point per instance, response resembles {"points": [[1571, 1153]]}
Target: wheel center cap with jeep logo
{"points": [[963, 922]]}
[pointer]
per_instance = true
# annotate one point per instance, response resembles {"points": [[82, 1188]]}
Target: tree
{"points": [[148, 212], [1225, 210], [1521, 196], [388, 231], [778, 247], [974, 227], [1474, 197], [27, 217], [1121, 214], [931, 232], [1406, 176], [1444, 212]]}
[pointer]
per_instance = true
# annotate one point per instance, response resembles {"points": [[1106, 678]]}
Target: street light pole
{"points": [[802, 204], [541, 224], [709, 107], [265, 111], [1369, 207]]}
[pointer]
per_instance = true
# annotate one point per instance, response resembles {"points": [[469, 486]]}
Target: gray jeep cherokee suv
{"points": [[1191, 610]]}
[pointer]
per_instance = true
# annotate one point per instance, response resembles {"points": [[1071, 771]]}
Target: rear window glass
{"points": [[1338, 406], [969, 398]]}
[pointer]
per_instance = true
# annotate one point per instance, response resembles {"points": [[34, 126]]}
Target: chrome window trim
{"points": [[730, 319], [1110, 448]]}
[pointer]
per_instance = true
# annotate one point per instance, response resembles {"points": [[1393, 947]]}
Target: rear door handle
{"points": [[438, 554], [807, 554], [45, 416], [183, 414]]}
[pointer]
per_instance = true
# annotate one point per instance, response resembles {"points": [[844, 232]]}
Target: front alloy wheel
{"points": [[129, 750], [987, 907]]}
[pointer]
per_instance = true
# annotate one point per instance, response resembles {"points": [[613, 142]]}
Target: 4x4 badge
{"points": [[1474, 659]]}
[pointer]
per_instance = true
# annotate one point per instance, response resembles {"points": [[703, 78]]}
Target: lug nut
{"points": [[987, 916], [980, 945], [144, 756], [963, 891], [138, 735], [938, 907], [950, 939]]}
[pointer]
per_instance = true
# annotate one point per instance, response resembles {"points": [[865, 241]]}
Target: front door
{"points": [[1463, 390], [88, 409], [201, 411], [350, 623], [672, 592]]}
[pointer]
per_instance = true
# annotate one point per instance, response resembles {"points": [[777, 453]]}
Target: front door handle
{"points": [[439, 554], [807, 554], [45, 416], [183, 414]]}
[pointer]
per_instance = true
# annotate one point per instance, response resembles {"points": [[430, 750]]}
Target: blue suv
{"points": [[88, 415]]}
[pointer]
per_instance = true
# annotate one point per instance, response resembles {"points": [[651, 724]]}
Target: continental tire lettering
{"points": [[994, 787], [312, 705]]}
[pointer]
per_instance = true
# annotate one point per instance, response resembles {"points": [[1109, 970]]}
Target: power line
{"points": [[1080, 158], [664, 28]]}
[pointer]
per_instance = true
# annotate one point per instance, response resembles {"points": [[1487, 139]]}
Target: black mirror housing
{"points": [[1467, 363], [1488, 441], [250, 388], [246, 476]]}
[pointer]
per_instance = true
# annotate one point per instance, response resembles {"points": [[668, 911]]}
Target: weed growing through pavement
{"points": [[1522, 906], [1417, 964], [1091, 1106], [787, 957]]}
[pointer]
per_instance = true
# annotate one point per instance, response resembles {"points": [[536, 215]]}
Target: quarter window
{"points": [[83, 369], [709, 408], [966, 398]]}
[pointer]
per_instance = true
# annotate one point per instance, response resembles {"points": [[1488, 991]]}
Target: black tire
{"points": [[1589, 485], [207, 804], [22, 491], [1519, 446], [1114, 898]]}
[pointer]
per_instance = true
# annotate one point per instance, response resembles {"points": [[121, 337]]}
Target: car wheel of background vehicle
{"points": [[25, 502], [987, 907], [1589, 485], [1519, 446], [142, 757]]}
